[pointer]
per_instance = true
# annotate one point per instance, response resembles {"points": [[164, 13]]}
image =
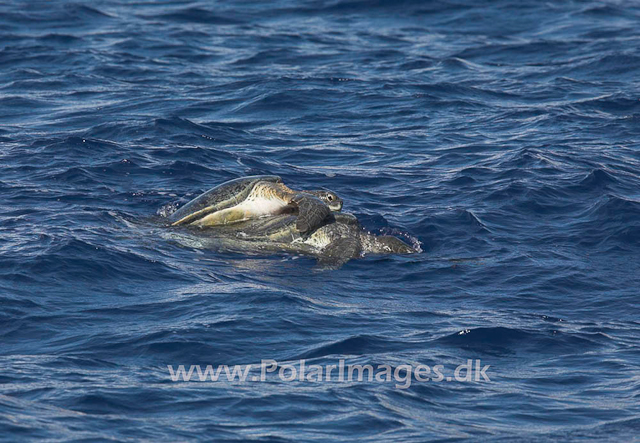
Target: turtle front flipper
{"points": [[312, 212], [339, 251]]}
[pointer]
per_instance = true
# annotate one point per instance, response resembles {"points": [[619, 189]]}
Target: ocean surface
{"points": [[502, 138]]}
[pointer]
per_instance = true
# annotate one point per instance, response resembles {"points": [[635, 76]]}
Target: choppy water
{"points": [[504, 136]]}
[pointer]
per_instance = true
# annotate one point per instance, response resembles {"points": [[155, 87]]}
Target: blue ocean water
{"points": [[502, 136]]}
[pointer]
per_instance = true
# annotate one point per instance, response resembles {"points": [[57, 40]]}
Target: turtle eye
{"points": [[329, 197]]}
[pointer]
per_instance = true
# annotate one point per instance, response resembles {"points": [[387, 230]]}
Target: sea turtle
{"points": [[338, 240], [251, 197]]}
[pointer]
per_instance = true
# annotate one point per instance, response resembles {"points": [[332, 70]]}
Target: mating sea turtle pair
{"points": [[260, 213]]}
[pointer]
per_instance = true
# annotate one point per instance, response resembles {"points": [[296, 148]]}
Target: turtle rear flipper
{"points": [[339, 251], [312, 212]]}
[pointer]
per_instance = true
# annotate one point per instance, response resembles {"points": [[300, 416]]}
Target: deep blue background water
{"points": [[504, 136]]}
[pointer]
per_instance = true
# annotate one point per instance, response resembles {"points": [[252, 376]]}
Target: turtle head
{"points": [[332, 200], [388, 244], [329, 198]]}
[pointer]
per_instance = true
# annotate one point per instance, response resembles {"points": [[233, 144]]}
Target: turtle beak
{"points": [[336, 205]]}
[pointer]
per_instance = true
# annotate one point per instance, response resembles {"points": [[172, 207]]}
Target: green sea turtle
{"points": [[338, 240], [252, 197]]}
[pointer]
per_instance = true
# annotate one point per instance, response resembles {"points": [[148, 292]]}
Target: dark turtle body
{"points": [[339, 239]]}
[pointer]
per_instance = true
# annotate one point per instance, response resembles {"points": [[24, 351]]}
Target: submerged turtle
{"points": [[251, 197], [338, 240]]}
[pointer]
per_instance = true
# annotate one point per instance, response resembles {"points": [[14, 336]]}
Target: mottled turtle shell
{"points": [[223, 196]]}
